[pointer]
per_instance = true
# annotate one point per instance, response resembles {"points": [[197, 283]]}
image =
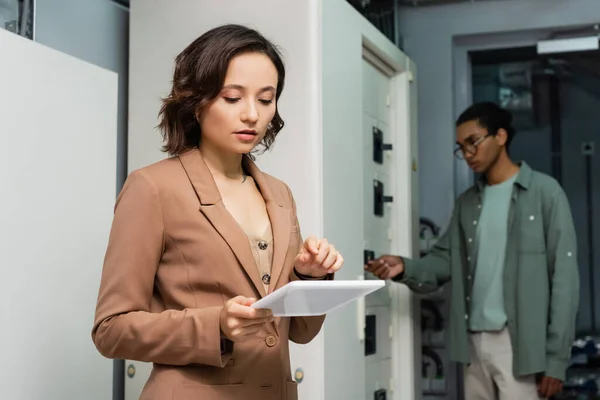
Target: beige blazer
{"points": [[175, 256]]}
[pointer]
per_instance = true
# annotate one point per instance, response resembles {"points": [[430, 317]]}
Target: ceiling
{"points": [[411, 3], [415, 3]]}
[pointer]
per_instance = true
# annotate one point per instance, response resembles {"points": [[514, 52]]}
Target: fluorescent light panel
{"points": [[568, 45]]}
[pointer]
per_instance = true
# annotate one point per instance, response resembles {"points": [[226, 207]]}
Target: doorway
{"points": [[555, 102]]}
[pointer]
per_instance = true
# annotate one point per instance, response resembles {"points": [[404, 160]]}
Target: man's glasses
{"points": [[468, 148]]}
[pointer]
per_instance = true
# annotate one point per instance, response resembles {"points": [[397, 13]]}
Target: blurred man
{"points": [[510, 253]]}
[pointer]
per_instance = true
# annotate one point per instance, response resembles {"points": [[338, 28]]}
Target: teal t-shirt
{"points": [[487, 303]]}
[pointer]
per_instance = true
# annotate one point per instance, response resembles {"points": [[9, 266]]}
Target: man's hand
{"points": [[549, 387], [386, 267]]}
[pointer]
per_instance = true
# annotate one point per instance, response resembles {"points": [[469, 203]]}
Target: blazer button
{"points": [[271, 340], [266, 278]]}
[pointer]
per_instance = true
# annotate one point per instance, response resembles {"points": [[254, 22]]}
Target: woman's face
{"points": [[236, 121]]}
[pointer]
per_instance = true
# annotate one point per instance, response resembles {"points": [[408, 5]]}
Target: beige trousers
{"points": [[490, 376]]}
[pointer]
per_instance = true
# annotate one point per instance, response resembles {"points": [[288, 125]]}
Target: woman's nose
{"points": [[250, 114]]}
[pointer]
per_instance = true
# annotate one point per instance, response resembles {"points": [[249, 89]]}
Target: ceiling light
{"points": [[568, 45]]}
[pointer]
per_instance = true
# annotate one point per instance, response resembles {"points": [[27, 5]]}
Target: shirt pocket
{"points": [[531, 236]]}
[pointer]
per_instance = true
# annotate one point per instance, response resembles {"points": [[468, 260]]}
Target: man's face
{"points": [[478, 148]]}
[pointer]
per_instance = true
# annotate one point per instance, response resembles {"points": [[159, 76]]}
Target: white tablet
{"points": [[308, 298]]}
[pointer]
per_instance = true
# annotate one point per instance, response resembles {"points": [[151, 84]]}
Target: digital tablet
{"points": [[309, 298]]}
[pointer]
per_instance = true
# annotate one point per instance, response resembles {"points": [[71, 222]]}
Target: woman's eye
{"points": [[266, 102], [231, 99]]}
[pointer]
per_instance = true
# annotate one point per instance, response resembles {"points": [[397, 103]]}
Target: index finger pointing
{"points": [[311, 245]]}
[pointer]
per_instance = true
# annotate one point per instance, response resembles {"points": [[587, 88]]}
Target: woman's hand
{"points": [[317, 258], [239, 321]]}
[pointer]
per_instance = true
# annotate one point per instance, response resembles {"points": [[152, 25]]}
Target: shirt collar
{"points": [[523, 177]]}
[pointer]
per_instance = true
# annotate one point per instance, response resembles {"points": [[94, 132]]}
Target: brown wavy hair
{"points": [[198, 79]]}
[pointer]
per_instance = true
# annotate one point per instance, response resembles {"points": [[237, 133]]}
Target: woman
{"points": [[198, 237]]}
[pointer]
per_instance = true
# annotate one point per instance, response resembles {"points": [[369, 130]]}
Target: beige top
{"points": [[262, 250]]}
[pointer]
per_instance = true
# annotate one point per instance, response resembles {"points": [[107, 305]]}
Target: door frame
{"points": [[462, 79], [405, 327]]}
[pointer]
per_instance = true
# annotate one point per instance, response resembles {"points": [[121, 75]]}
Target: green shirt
{"points": [[540, 277], [487, 305]]}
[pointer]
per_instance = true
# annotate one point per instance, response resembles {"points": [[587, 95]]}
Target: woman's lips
{"points": [[246, 136]]}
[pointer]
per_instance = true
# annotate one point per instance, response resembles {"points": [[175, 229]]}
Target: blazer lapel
{"points": [[280, 218], [211, 205]]}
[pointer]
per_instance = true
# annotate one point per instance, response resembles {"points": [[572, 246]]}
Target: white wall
{"points": [[429, 34], [96, 31], [58, 190], [342, 40]]}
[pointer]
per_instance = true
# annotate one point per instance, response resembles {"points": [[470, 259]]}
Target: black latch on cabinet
{"points": [[369, 255], [379, 198], [380, 394], [379, 146], [370, 335]]}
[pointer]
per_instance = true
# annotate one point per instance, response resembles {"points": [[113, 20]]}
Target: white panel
{"points": [[376, 375], [383, 322], [376, 93], [344, 32], [342, 183], [405, 216], [58, 171], [387, 104], [67, 26]]}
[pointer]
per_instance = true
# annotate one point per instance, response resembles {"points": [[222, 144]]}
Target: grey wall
{"points": [[429, 34], [533, 142], [8, 11], [96, 31], [580, 102]]}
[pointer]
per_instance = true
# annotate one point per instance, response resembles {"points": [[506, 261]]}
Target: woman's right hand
{"points": [[239, 321]]}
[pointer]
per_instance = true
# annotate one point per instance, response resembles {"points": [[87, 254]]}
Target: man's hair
{"points": [[198, 78], [491, 117]]}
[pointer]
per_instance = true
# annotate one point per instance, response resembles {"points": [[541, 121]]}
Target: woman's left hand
{"points": [[318, 258]]}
